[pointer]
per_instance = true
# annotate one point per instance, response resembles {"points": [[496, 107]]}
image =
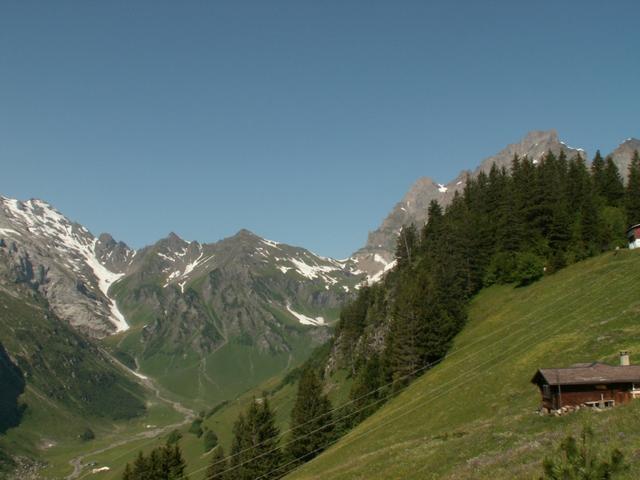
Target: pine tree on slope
{"points": [[311, 420], [218, 465], [254, 451], [632, 194]]}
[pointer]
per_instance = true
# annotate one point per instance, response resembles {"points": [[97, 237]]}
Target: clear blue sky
{"points": [[304, 121]]}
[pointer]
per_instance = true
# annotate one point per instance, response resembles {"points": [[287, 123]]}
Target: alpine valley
{"points": [[106, 350]]}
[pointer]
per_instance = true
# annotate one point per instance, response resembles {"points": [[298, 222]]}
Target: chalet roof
{"points": [[588, 373], [633, 227]]}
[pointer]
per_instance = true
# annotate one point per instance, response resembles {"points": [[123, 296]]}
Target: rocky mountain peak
{"points": [[377, 254], [64, 262], [623, 154]]}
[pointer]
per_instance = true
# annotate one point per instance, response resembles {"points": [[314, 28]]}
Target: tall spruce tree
{"points": [[217, 469], [254, 451], [311, 420], [632, 194], [613, 189], [365, 393], [406, 244], [163, 463], [597, 174]]}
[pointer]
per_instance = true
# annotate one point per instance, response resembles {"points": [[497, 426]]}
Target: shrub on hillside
{"points": [[583, 460], [87, 435], [530, 267], [174, 437], [210, 440], [196, 427]]}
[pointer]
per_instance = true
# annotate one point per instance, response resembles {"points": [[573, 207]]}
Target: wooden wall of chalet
{"points": [[574, 395]]}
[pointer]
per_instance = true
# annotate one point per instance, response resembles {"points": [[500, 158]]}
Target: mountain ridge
{"points": [[379, 248]]}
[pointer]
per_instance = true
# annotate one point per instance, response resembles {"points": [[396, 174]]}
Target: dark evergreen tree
{"points": [[141, 470], [597, 174], [613, 188], [128, 473], [210, 440], [583, 460], [163, 463], [406, 244], [255, 452], [365, 393], [217, 469], [353, 318], [432, 228], [174, 465], [632, 194], [311, 420]]}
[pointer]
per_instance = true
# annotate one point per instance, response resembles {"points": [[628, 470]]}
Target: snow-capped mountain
{"points": [[64, 262], [244, 285], [75, 271]]}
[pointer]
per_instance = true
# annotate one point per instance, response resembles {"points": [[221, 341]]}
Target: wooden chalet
{"points": [[633, 235], [589, 384]]}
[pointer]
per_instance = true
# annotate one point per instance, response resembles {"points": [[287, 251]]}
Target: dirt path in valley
{"points": [[78, 462]]}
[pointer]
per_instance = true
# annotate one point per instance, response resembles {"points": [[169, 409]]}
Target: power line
{"points": [[431, 398], [431, 364], [384, 398]]}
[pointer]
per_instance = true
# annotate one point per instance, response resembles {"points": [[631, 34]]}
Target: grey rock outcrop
{"points": [[61, 260], [378, 253], [623, 154]]}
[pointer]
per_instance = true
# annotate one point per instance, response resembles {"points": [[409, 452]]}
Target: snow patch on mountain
{"points": [[8, 231], [106, 278], [380, 259], [311, 271], [74, 244], [271, 243], [573, 148], [304, 319], [183, 273], [378, 276]]}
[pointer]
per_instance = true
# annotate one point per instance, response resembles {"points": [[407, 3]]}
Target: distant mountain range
{"points": [[178, 309], [74, 270]]}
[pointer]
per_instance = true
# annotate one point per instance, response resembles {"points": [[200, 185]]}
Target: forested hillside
{"points": [[508, 226], [475, 414]]}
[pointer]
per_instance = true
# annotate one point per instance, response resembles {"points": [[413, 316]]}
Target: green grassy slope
{"points": [[281, 396], [474, 415], [69, 386]]}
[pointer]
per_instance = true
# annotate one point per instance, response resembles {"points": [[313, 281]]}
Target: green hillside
{"points": [[220, 419], [474, 415], [56, 385]]}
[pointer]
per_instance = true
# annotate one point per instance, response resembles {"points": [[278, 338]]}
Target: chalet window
{"points": [[546, 391]]}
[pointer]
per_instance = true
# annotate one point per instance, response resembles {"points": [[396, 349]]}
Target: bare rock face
{"points": [[624, 153], [378, 253], [62, 261]]}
